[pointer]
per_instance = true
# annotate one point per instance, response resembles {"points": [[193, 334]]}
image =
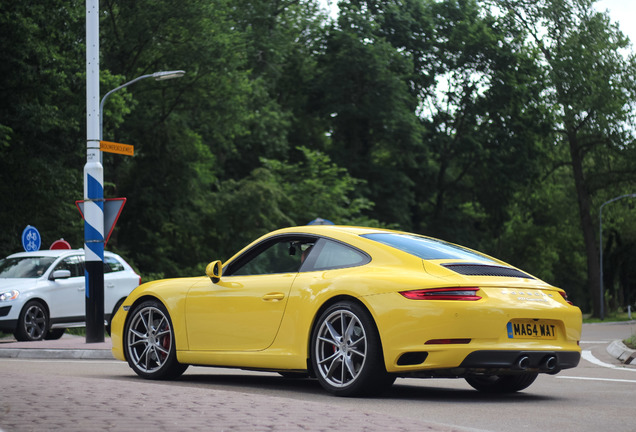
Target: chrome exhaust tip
{"points": [[550, 363], [522, 363]]}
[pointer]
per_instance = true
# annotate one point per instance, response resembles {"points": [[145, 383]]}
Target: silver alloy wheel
{"points": [[35, 322], [341, 348], [149, 339]]}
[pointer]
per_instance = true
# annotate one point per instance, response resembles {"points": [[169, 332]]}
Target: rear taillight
{"points": [[457, 293], [565, 297]]}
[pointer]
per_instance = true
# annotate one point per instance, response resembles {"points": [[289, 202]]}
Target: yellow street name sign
{"points": [[113, 147]]}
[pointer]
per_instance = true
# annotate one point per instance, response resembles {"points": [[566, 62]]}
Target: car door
{"points": [[243, 311], [67, 296]]}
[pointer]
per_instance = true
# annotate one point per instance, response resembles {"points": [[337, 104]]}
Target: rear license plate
{"points": [[531, 329]]}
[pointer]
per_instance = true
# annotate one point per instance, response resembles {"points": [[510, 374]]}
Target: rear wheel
{"points": [[33, 322], [501, 383], [149, 342], [346, 353]]}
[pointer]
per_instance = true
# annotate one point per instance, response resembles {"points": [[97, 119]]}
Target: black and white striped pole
{"points": [[93, 185]]}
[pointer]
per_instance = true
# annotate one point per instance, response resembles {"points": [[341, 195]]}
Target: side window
{"points": [[73, 263], [111, 264], [283, 255], [331, 255]]}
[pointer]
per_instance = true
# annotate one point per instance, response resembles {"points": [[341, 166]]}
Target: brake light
{"points": [[458, 293], [565, 297]]}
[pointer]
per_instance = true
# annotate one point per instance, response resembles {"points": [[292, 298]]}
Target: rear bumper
{"points": [[522, 360], [498, 362]]}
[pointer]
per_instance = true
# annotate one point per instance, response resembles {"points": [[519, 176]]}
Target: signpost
{"points": [[113, 147], [112, 210], [31, 240]]}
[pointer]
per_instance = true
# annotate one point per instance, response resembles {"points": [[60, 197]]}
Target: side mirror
{"points": [[60, 274], [214, 271]]}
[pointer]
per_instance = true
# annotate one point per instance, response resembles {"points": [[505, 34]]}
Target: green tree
{"points": [[285, 193], [42, 135], [182, 129], [364, 92], [484, 128], [591, 87]]}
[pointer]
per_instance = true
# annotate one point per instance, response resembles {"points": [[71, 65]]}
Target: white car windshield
{"points": [[24, 267]]}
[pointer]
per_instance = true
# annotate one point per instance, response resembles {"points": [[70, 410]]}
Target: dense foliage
{"points": [[501, 125]]}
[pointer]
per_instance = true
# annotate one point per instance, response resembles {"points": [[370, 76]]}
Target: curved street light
{"points": [[158, 76], [600, 218]]}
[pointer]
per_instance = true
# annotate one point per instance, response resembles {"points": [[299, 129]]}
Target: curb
{"points": [[618, 350], [56, 354]]}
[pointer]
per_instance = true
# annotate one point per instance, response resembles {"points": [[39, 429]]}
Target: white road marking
{"points": [[598, 379], [587, 355], [595, 342]]}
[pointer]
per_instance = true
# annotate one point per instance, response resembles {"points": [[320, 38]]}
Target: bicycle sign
{"points": [[31, 239]]}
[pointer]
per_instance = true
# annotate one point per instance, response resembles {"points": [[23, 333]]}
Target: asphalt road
{"points": [[598, 395]]}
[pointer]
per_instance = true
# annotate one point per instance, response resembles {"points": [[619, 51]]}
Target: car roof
{"points": [[51, 253], [326, 229]]}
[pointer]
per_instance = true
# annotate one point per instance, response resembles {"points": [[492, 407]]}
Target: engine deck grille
{"points": [[486, 270]]}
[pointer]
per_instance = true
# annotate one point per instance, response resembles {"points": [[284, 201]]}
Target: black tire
{"points": [[346, 353], [55, 334], [149, 342], [501, 383], [33, 322]]}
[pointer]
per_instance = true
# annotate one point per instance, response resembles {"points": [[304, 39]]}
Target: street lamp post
{"points": [[94, 191], [93, 181], [600, 219], [158, 76]]}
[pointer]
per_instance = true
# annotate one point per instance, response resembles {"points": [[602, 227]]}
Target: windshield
{"points": [[426, 248], [24, 267]]}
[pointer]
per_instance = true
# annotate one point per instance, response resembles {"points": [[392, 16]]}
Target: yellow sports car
{"points": [[355, 308]]}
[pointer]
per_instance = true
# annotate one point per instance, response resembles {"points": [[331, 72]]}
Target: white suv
{"points": [[43, 293]]}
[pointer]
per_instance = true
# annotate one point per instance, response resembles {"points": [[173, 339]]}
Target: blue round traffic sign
{"points": [[31, 239]]}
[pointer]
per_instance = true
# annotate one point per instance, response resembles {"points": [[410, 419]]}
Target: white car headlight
{"points": [[9, 295]]}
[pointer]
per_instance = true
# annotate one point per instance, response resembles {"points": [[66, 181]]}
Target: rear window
{"points": [[112, 265], [426, 248]]}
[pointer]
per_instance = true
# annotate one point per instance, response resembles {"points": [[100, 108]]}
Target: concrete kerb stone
{"points": [[55, 354], [617, 349], [67, 347]]}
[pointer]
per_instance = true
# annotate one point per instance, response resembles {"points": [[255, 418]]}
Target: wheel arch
{"points": [[131, 308], [40, 300], [327, 304]]}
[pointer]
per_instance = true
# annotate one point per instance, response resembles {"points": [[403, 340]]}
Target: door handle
{"points": [[273, 297]]}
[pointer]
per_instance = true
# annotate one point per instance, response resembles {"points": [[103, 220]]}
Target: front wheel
{"points": [[501, 383], [346, 353], [33, 322], [55, 334], [149, 342]]}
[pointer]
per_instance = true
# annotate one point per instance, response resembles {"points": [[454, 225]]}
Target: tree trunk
{"points": [[587, 225]]}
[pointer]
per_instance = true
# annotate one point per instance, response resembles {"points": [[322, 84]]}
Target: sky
{"points": [[623, 12]]}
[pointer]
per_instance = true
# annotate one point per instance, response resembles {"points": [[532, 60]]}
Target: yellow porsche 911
{"points": [[355, 308]]}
